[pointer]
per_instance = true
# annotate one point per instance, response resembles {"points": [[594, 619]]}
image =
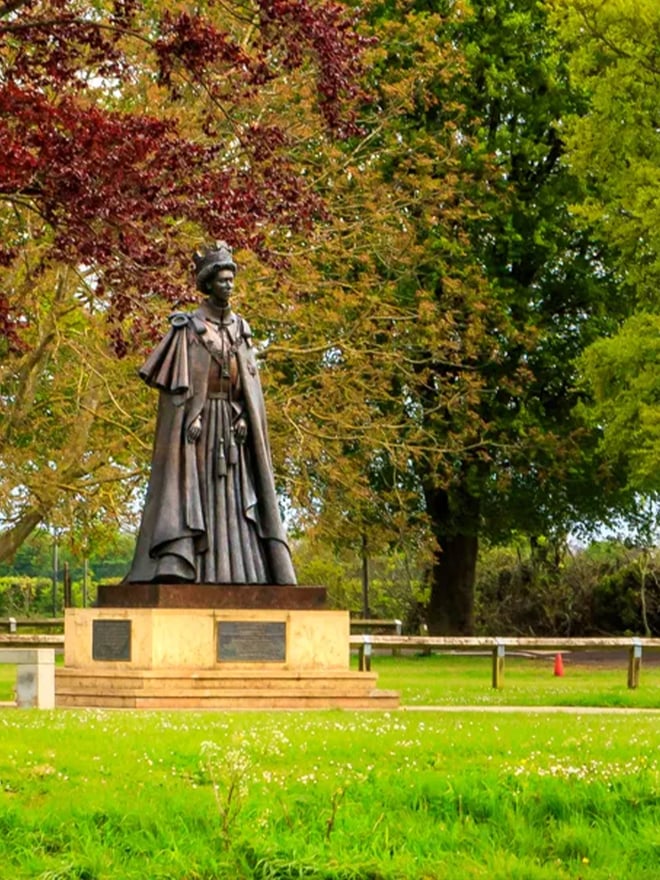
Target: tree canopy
{"points": [[440, 211], [129, 134], [615, 149], [503, 285]]}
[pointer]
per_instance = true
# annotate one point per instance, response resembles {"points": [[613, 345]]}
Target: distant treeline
{"points": [[606, 588], [35, 559]]}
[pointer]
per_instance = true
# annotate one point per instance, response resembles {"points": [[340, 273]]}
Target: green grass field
{"points": [[461, 680], [102, 795], [96, 795]]}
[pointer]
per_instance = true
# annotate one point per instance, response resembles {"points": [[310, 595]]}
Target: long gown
{"points": [[211, 513], [233, 553]]}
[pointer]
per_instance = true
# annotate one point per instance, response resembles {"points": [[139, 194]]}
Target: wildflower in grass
{"points": [[588, 772], [228, 771]]}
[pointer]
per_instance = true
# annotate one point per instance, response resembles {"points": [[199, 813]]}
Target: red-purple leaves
{"points": [[110, 187], [324, 31], [194, 43]]}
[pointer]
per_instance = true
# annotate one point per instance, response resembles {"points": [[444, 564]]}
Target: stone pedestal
{"points": [[157, 655]]}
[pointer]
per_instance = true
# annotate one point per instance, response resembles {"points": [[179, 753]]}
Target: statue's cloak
{"points": [[173, 529]]}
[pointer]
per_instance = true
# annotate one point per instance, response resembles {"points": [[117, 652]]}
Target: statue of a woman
{"points": [[211, 514]]}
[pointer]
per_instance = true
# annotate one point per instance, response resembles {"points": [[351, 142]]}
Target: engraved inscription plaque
{"points": [[111, 640], [251, 641]]}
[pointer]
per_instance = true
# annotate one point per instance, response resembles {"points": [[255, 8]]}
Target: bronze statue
{"points": [[211, 514]]}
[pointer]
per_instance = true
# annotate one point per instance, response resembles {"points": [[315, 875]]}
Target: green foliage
{"points": [[109, 557], [396, 582], [624, 376], [558, 291], [510, 289], [26, 582], [612, 51], [25, 596], [607, 588], [613, 56], [523, 798]]}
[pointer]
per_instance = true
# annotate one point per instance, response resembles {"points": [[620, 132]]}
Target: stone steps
{"points": [[231, 678], [220, 689]]}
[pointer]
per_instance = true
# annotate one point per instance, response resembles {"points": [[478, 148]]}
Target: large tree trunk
{"points": [[455, 523]]}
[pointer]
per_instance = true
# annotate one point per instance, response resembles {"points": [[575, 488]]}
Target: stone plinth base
{"points": [[210, 596], [212, 658]]}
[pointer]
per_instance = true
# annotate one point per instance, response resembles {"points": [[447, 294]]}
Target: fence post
{"points": [[398, 626], [68, 603], [424, 631], [364, 654], [85, 582], [12, 624], [634, 663], [498, 664]]}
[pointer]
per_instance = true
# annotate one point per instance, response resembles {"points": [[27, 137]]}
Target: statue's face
{"points": [[220, 286]]}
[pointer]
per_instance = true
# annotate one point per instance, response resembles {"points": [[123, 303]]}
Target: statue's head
{"points": [[209, 260]]}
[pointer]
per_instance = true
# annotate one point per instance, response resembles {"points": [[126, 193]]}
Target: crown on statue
{"points": [[209, 259]]}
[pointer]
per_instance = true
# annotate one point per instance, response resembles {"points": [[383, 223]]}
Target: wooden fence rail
{"points": [[32, 640], [498, 646], [12, 624], [371, 623]]}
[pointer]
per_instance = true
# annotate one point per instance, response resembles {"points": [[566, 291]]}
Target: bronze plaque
{"points": [[251, 641], [111, 640]]}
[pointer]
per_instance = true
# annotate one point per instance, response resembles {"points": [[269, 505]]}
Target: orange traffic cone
{"points": [[559, 665]]}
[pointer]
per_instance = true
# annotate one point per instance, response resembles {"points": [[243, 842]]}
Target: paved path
{"points": [[538, 710], [456, 710]]}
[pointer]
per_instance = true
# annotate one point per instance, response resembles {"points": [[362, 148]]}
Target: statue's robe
{"points": [[174, 533]]}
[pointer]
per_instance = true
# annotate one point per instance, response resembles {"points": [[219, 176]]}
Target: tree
{"points": [[623, 375], [399, 300], [128, 133], [495, 290], [613, 52]]}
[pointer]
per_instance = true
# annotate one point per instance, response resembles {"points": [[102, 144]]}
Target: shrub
{"points": [[607, 588]]}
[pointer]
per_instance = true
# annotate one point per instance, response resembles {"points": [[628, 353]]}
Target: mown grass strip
{"points": [[327, 795]]}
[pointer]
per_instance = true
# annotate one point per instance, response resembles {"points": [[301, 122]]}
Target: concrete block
{"points": [[35, 679]]}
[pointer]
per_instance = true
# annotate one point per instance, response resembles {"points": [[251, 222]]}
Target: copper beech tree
{"points": [[128, 133]]}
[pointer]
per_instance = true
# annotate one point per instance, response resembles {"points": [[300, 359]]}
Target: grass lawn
{"points": [[101, 795], [96, 795], [462, 680]]}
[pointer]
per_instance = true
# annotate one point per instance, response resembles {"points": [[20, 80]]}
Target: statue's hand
{"points": [[194, 431], [240, 430]]}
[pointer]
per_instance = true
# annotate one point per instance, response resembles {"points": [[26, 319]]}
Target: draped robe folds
{"points": [[191, 522]]}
